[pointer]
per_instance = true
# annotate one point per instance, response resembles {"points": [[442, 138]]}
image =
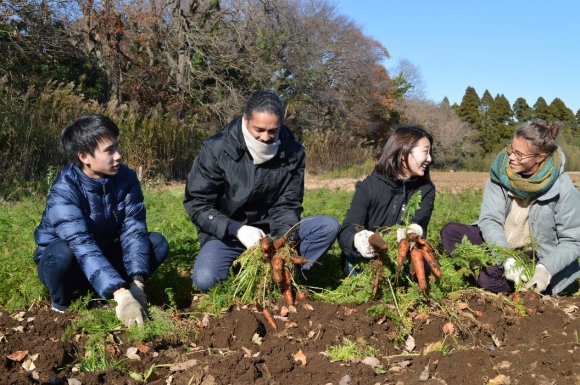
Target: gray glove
{"points": [[249, 235], [128, 309], [541, 279], [361, 243], [137, 289], [514, 273]]}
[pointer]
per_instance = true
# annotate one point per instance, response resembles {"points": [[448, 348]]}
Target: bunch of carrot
{"points": [[420, 251], [282, 260]]}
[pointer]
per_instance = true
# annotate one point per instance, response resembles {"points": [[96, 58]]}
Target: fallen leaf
{"points": [[144, 348], [28, 364], [422, 316], [132, 354], [18, 329], [247, 351], [500, 379], [300, 357], [289, 325], [292, 309], [205, 320], [284, 311], [281, 318], [3, 338], [18, 356], [257, 339], [502, 365], [424, 376], [74, 381], [372, 362], [345, 380], [76, 369], [478, 313], [432, 347], [462, 305], [30, 319], [183, 365], [307, 306], [404, 363], [311, 333], [395, 369], [169, 380], [514, 351], [496, 340], [449, 328], [35, 375], [382, 320], [348, 311], [410, 344], [19, 316], [111, 349]]}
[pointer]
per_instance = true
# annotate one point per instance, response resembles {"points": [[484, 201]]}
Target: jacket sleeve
{"points": [[567, 220], [66, 216], [423, 214], [286, 211], [134, 235], [493, 214], [203, 189], [356, 217]]}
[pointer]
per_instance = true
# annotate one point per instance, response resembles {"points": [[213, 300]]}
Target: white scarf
{"points": [[261, 152]]}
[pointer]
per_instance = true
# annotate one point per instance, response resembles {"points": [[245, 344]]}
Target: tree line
{"points": [[170, 73]]}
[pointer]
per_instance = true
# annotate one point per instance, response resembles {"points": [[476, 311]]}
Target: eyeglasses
{"points": [[519, 156]]}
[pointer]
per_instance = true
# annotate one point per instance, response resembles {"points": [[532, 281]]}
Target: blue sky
{"points": [[517, 48]]}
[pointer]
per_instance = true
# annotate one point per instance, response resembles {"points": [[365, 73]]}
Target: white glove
{"points": [[412, 228], [361, 243], [513, 273], [128, 309], [541, 279], [137, 289], [250, 235]]}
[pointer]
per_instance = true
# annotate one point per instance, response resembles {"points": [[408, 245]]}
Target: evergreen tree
{"points": [[522, 111], [542, 110], [500, 112], [562, 113], [501, 125], [468, 110], [485, 104], [445, 103]]}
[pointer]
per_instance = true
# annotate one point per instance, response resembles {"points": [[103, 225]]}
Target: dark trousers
{"points": [[59, 270], [490, 278]]}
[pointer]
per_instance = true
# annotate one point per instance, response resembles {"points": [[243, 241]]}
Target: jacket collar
{"points": [[235, 145], [92, 185], [392, 181]]}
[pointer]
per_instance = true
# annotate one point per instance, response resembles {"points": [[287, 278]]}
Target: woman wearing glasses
{"points": [[528, 197]]}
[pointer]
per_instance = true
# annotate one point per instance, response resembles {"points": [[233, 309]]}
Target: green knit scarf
{"points": [[533, 186]]}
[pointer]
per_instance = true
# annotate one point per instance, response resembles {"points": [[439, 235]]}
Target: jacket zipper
{"points": [[105, 201]]}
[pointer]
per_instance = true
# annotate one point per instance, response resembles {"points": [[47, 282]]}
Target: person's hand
{"points": [[361, 243], [514, 273], [541, 279], [413, 228], [128, 309], [137, 289], [249, 235]]}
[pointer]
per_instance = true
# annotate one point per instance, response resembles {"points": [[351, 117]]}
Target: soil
{"points": [[474, 338]]}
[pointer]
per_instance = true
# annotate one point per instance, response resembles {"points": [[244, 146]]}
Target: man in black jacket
{"points": [[246, 182]]}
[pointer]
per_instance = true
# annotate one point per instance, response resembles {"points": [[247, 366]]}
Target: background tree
{"points": [[468, 110], [522, 111]]}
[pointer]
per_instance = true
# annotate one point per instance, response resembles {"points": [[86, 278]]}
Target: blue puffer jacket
{"points": [[90, 215]]}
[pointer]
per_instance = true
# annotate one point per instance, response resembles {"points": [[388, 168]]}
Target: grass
{"points": [[350, 350]]}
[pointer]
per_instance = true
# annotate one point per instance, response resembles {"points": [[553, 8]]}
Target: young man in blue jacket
{"points": [[93, 232]]}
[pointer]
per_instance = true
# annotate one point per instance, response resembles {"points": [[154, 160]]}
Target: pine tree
{"points": [[542, 110], [468, 110], [522, 111], [485, 103]]}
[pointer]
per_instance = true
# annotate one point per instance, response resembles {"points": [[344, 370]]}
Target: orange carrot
{"points": [[267, 247], [298, 260], [402, 253], [413, 237], [430, 258], [378, 242], [268, 316], [287, 288], [279, 242], [417, 261], [277, 268]]}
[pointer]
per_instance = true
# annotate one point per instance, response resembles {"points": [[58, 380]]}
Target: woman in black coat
{"points": [[380, 199]]}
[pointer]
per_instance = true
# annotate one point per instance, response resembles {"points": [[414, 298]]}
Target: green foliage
{"points": [[412, 205], [98, 359], [350, 350], [469, 108], [160, 325]]}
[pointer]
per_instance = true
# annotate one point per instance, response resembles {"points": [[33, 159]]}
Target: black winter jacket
{"points": [[377, 203], [90, 215], [224, 183]]}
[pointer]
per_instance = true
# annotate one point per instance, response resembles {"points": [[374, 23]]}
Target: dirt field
{"points": [[489, 342], [453, 181]]}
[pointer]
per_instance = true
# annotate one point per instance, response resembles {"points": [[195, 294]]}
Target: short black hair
{"points": [[264, 101], [84, 135]]}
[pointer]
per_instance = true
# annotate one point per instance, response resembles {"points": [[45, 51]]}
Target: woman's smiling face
{"points": [[418, 160]]}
